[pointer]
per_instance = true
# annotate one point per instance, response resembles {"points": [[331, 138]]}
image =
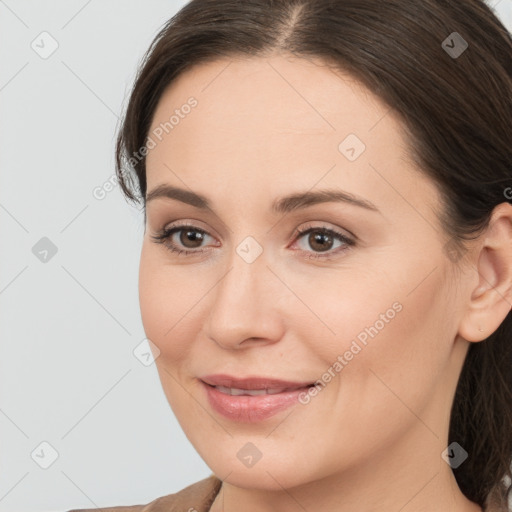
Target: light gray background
{"points": [[69, 326]]}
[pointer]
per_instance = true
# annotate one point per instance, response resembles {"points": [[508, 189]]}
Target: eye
{"points": [[190, 238], [322, 240], [188, 241]]}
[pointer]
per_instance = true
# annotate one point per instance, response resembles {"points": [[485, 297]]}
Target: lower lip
{"points": [[250, 409]]}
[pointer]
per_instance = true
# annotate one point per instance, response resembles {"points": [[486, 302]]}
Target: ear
{"points": [[491, 299]]}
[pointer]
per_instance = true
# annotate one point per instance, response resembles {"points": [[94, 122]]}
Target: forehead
{"points": [[286, 95], [280, 120]]}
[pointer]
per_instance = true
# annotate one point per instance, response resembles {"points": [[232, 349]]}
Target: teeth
{"points": [[251, 392]]}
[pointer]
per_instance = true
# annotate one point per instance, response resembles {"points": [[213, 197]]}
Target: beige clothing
{"points": [[197, 497]]}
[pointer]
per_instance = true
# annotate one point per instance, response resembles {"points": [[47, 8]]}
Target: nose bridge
{"points": [[247, 274], [242, 301]]}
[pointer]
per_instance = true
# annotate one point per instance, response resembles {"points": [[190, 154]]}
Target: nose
{"points": [[246, 305]]}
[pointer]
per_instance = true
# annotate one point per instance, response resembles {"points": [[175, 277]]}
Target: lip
{"points": [[251, 409]]}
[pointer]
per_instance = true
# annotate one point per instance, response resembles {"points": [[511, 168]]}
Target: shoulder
{"points": [[197, 497]]}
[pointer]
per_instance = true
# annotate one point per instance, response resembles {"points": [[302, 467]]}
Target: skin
{"points": [[372, 439]]}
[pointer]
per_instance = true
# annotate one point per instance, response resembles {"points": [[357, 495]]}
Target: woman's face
{"points": [[367, 309]]}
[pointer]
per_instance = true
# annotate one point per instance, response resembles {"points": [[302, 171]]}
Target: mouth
{"points": [[253, 399]]}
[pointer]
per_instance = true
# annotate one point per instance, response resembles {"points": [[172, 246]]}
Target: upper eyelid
{"points": [[341, 231], [302, 227], [308, 224], [187, 224]]}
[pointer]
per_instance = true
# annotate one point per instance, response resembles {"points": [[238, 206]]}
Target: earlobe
{"points": [[491, 300]]}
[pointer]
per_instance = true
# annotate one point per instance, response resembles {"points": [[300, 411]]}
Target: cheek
{"points": [[395, 326], [404, 304], [165, 297]]}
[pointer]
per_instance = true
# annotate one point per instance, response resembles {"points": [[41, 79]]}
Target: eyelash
{"points": [[165, 234]]}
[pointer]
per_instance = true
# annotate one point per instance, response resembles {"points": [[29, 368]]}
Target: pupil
{"points": [[320, 238], [190, 236]]}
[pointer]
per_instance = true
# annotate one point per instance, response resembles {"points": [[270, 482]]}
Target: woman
{"points": [[326, 270]]}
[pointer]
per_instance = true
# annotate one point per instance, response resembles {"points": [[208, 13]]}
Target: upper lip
{"points": [[251, 382]]}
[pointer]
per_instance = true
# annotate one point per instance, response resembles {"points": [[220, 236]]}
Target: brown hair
{"points": [[456, 110]]}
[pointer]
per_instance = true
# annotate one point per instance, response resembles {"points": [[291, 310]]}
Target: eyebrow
{"points": [[285, 204]]}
